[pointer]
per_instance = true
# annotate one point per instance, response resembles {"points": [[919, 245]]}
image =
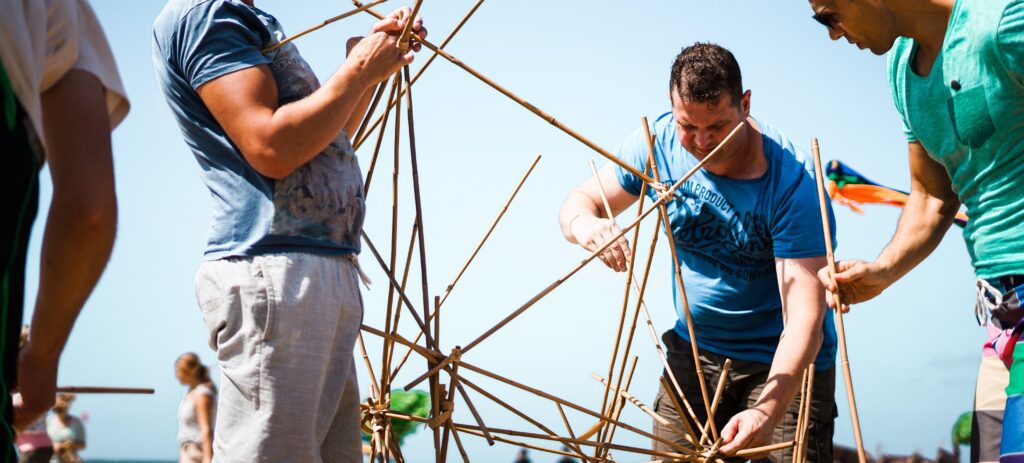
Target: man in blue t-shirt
{"points": [[746, 228], [279, 286]]}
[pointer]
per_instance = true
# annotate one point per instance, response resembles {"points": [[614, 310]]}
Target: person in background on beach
{"points": [[197, 411], [66, 431], [522, 457], [60, 97], [279, 285], [34, 444], [956, 74]]}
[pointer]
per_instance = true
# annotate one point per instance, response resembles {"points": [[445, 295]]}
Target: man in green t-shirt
{"points": [[956, 71]]}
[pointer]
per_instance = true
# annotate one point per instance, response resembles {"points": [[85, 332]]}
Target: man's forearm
{"points": [[929, 212], [77, 243], [803, 315], [577, 206], [798, 346], [922, 226]]}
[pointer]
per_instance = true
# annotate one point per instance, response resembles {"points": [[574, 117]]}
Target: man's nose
{"points": [[705, 141], [834, 33]]}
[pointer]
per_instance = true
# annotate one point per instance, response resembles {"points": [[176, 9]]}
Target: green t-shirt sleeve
{"points": [[898, 62], [907, 131], [1010, 39]]}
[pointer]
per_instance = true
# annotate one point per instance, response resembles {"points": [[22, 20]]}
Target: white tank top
{"points": [[188, 423]]}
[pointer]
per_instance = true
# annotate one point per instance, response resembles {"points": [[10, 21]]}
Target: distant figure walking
{"points": [[66, 431], [521, 457], [198, 410]]}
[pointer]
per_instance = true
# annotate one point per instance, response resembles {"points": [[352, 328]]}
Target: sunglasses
{"points": [[825, 19]]}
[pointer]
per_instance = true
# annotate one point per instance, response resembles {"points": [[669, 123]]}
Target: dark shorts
{"points": [[744, 385], [19, 180]]}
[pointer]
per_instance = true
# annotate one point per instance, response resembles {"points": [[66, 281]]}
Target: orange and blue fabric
{"points": [[850, 188]]}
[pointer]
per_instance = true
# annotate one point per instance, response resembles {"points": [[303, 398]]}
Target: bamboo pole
{"points": [[380, 141], [388, 345], [639, 289], [450, 401], [619, 404], [679, 276], [369, 367], [373, 447], [387, 440], [718, 397], [568, 428], [644, 408], [679, 411], [763, 449], [458, 444], [401, 293], [395, 448], [405, 280], [323, 24], [432, 340], [490, 230], [805, 408], [551, 120], [469, 430], [563, 440], [105, 390], [569, 404], [476, 415], [356, 143], [798, 438], [713, 451], [377, 95], [403, 40], [647, 315], [801, 444], [522, 415], [417, 199], [625, 299], [423, 351], [800, 417], [604, 195], [827, 228]]}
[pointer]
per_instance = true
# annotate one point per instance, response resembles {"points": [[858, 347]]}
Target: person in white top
{"points": [[60, 97], [197, 411]]}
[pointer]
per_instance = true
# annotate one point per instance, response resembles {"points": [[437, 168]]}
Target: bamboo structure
{"points": [[454, 383]]}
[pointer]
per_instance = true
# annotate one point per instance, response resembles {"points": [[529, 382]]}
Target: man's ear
{"points": [[745, 104]]}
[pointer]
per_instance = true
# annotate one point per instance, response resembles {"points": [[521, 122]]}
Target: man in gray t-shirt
{"points": [[278, 288]]}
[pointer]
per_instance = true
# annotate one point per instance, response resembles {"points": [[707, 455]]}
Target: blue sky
{"points": [[597, 67]]}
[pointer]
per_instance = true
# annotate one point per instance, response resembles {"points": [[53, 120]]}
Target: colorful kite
{"points": [[849, 188]]}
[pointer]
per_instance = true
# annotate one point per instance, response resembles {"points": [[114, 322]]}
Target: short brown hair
{"points": [[702, 72]]}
